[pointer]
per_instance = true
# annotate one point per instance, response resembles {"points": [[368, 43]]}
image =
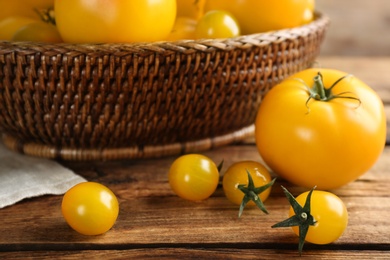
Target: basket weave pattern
{"points": [[115, 101]]}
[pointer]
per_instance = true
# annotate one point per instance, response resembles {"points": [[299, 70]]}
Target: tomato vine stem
{"points": [[320, 93]]}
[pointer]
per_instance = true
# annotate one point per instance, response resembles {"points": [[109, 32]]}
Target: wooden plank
{"points": [[198, 253], [152, 215], [172, 222]]}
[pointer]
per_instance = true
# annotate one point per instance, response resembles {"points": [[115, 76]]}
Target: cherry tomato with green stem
{"points": [[318, 217], [247, 183]]}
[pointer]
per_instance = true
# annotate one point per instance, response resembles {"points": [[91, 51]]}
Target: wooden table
{"points": [[153, 222]]}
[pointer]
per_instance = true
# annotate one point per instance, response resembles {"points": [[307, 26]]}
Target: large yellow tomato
{"points": [[256, 16], [313, 136], [96, 21]]}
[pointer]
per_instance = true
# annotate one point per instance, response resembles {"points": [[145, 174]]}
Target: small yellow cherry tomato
{"points": [[318, 217], [90, 208], [236, 174], [193, 177], [38, 32], [217, 24], [330, 215]]}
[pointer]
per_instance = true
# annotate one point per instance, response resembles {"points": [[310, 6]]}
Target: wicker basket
{"points": [[125, 101]]}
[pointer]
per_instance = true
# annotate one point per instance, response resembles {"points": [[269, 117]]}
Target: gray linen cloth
{"points": [[24, 177]]}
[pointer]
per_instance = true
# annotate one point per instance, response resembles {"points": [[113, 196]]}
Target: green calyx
{"points": [[251, 193], [320, 93], [302, 218]]}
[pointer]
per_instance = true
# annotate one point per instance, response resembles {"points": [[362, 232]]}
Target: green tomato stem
{"points": [[251, 193], [302, 218], [318, 88], [320, 93]]}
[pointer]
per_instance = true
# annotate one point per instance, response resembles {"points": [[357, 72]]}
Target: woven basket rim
{"points": [[242, 41], [132, 152]]}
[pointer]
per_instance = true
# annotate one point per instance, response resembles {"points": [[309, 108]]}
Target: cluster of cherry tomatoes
{"points": [[321, 214], [101, 21]]}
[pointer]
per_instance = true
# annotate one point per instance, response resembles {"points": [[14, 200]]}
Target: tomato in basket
{"points": [[117, 21], [256, 16], [217, 24]]}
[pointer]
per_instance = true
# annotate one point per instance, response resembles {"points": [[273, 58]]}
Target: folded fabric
{"points": [[24, 177]]}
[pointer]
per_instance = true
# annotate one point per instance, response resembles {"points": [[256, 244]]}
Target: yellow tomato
{"points": [[95, 21], [193, 177], [38, 32], [256, 16], [184, 29], [10, 25], [318, 217], [321, 127], [236, 174], [90, 208], [23, 7], [217, 24], [190, 8], [330, 215]]}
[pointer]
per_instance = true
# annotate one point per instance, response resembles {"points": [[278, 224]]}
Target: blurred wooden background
{"points": [[358, 27]]}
